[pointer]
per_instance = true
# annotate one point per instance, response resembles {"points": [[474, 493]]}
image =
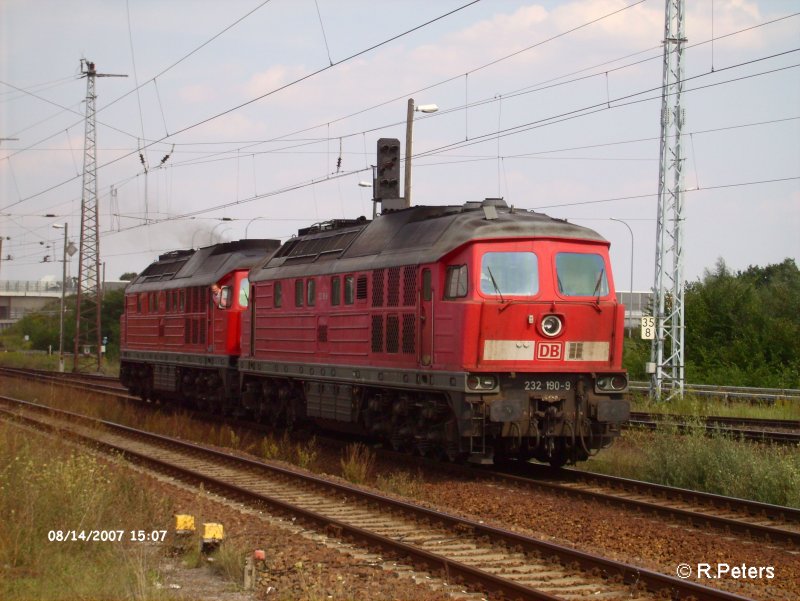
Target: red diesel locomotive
{"points": [[175, 342], [477, 331]]}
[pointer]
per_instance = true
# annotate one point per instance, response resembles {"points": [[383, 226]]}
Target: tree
{"points": [[128, 276], [744, 328], [110, 313]]}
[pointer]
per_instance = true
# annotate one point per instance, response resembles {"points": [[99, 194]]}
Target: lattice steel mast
{"points": [[88, 303], [667, 353]]}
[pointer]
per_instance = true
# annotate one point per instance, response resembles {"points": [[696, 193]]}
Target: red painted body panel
{"points": [[184, 320], [460, 328]]}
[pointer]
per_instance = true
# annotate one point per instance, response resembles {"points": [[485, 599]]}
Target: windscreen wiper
{"points": [[597, 284], [494, 283]]}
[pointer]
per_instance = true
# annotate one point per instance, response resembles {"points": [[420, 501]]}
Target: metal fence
{"points": [[729, 393], [36, 287]]}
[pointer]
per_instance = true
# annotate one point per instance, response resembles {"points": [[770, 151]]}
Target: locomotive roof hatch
{"points": [[420, 234], [202, 267]]}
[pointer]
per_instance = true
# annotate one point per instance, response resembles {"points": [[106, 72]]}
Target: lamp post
{"points": [[630, 312], [58, 226], [422, 108]]}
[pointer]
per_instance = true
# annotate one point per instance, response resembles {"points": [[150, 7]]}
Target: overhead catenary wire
{"points": [[64, 108], [363, 135], [521, 128], [318, 180], [534, 87], [770, 22], [267, 94], [506, 132], [324, 37], [616, 103], [547, 84], [162, 72]]}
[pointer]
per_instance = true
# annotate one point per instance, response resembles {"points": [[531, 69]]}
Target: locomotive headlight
{"points": [[551, 325], [488, 382], [481, 382], [619, 382], [612, 383]]}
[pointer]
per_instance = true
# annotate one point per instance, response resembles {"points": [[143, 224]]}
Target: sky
{"points": [[234, 116]]}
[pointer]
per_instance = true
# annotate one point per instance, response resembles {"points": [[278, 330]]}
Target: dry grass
{"points": [[694, 406], [357, 463], [46, 485], [41, 360], [402, 483]]}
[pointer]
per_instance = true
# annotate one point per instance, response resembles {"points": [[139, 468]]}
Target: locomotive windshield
{"points": [[509, 274], [581, 274]]}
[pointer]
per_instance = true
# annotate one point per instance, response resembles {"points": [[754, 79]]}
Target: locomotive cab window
{"points": [[223, 299], [581, 274], [509, 274], [244, 292], [336, 290], [456, 286], [277, 298], [298, 293]]}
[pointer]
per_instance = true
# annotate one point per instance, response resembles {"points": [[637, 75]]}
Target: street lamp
{"points": [[630, 310], [69, 249], [422, 108]]}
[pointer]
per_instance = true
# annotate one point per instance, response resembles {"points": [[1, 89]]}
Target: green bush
{"points": [[717, 464], [742, 329]]}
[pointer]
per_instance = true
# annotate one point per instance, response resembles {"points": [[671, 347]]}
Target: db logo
{"points": [[549, 351]]}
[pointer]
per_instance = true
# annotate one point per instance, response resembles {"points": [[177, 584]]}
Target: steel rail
{"points": [[753, 422], [772, 436], [789, 514], [653, 581], [542, 479]]}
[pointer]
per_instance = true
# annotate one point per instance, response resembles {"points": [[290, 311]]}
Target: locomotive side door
{"points": [[426, 319], [211, 309]]}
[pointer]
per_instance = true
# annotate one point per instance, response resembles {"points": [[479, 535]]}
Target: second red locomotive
{"points": [[475, 331]]}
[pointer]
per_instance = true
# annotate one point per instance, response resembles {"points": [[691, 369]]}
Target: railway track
{"points": [[743, 517], [771, 523], [483, 557], [753, 429], [755, 423], [730, 393]]}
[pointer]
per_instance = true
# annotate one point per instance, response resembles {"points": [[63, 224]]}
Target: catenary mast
{"points": [[667, 354], [87, 351]]}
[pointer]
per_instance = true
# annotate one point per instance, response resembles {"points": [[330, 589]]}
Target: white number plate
{"points": [[548, 385]]}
